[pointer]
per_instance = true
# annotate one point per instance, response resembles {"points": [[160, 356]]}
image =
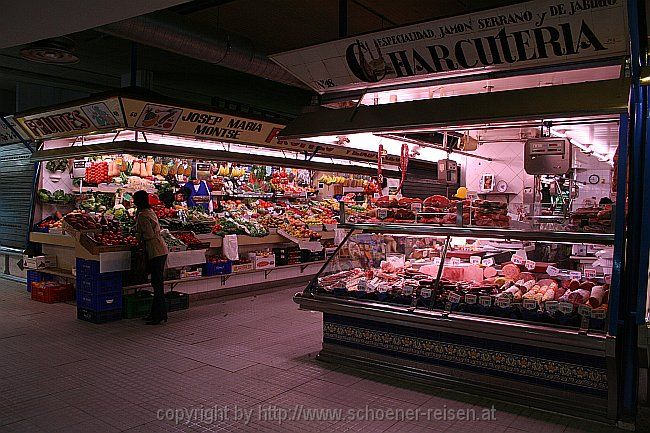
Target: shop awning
{"points": [[154, 149], [583, 99]]}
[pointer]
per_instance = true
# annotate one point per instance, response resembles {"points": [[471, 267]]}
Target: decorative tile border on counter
{"points": [[431, 348]]}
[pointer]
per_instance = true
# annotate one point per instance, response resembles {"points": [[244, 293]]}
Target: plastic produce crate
{"points": [[137, 304], [36, 277], [177, 301], [221, 268], [307, 256], [99, 301], [50, 292], [98, 316]]}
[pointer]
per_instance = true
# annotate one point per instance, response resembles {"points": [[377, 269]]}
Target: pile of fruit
{"points": [[187, 238], [80, 220], [110, 237], [97, 173]]}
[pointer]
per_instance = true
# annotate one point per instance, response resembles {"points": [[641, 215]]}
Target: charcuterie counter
{"points": [[505, 313]]}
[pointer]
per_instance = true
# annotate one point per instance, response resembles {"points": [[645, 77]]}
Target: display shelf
{"points": [[52, 239], [57, 272], [225, 277], [506, 194], [245, 240], [484, 232]]}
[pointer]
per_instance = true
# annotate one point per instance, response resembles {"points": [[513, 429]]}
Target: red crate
{"points": [[50, 292]]}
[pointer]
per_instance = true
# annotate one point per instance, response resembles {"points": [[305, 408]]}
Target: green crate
{"points": [[177, 301], [137, 304]]}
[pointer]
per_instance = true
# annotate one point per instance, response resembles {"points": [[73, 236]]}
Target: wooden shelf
{"points": [[52, 239]]}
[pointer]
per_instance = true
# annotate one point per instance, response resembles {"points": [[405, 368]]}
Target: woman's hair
{"points": [[141, 200]]}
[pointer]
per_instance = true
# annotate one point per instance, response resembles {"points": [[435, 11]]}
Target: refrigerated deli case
{"points": [[502, 312]]}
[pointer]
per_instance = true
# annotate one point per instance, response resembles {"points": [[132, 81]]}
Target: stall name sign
{"points": [[206, 125], [76, 120], [531, 34]]}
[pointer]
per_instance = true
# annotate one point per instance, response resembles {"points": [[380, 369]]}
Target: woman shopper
{"points": [[148, 232]]}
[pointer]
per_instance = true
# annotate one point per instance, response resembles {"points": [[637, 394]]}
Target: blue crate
{"points": [[99, 301], [98, 316], [36, 277], [102, 283], [87, 268], [222, 268]]}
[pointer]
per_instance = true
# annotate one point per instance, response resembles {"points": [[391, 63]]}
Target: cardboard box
{"points": [[241, 267], [39, 262], [261, 262]]}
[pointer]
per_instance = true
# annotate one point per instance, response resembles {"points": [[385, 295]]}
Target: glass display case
{"points": [[559, 279]]}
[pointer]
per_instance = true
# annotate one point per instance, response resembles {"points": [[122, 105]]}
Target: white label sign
{"points": [[437, 260], [470, 298], [455, 261], [454, 298], [524, 35], [517, 259], [530, 304], [382, 214], [425, 293], [575, 275], [488, 262], [530, 265], [590, 273], [552, 271], [551, 306], [598, 313], [407, 290], [416, 207], [485, 301], [475, 260], [584, 310], [502, 301], [565, 307]]}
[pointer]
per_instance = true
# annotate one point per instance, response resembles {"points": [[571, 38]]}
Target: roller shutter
{"points": [[16, 177]]}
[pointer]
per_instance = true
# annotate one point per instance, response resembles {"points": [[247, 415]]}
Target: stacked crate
{"points": [[99, 295], [36, 277]]}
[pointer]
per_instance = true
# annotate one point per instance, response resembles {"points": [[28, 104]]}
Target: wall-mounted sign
{"points": [[210, 125], [10, 131], [74, 120], [531, 34]]}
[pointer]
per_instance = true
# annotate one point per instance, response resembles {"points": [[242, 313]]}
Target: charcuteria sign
{"points": [[525, 35]]}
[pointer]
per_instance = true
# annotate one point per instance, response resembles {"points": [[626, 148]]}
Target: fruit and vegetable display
{"points": [[56, 165], [81, 220], [539, 292], [57, 197], [114, 238]]}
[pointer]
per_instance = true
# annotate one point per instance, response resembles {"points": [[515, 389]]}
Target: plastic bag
{"points": [[231, 247]]}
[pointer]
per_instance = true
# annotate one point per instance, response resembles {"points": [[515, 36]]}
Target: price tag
{"points": [[503, 301], [530, 304], [437, 260], [382, 288], [407, 290], [362, 285], [584, 310], [475, 260], [552, 271], [565, 307], [608, 279], [551, 306], [454, 298], [590, 273], [425, 293], [376, 195], [470, 298], [455, 261], [416, 207], [485, 301], [382, 214], [517, 259], [575, 275], [530, 265], [488, 262], [599, 313]]}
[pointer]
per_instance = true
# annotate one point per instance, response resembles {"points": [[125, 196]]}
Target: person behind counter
{"points": [[147, 230], [199, 194]]}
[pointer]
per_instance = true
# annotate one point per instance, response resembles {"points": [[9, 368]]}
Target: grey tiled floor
{"points": [[257, 354]]}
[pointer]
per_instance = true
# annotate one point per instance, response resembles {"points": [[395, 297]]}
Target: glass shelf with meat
{"points": [[514, 280]]}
